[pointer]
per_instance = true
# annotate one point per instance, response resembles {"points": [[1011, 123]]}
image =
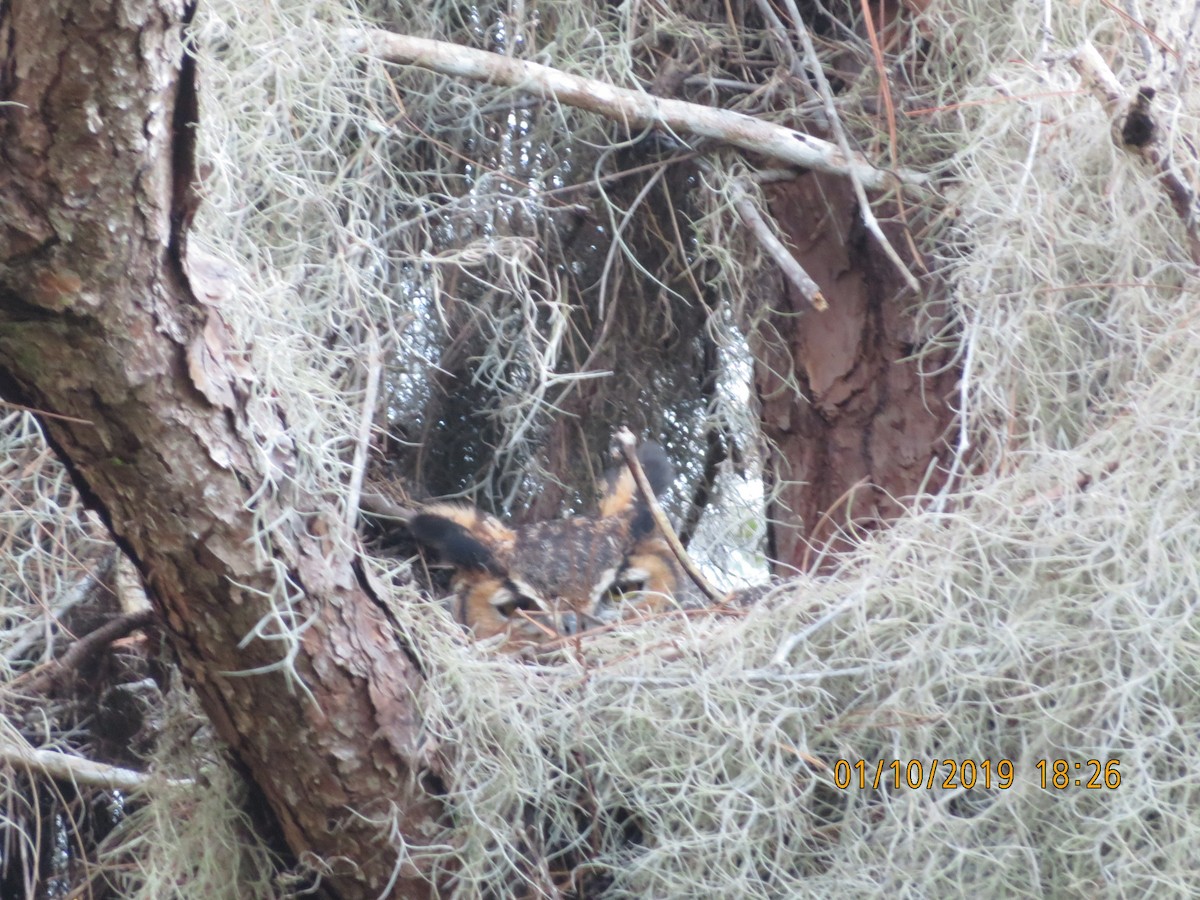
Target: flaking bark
{"points": [[101, 331], [856, 426]]}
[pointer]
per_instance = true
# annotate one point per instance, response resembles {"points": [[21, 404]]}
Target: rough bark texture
{"points": [[854, 427], [101, 330]]}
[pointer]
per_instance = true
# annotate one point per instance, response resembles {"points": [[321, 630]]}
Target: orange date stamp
{"points": [[970, 774]]}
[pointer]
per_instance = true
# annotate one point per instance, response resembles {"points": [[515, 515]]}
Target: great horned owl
{"points": [[538, 581]]}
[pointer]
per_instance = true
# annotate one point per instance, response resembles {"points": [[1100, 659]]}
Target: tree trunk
{"points": [[855, 429], [102, 333]]}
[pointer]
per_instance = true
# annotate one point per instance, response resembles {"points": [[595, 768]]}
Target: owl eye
{"points": [[617, 592], [647, 583], [514, 595], [633, 577]]}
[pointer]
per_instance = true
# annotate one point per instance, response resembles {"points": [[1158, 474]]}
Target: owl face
{"points": [[548, 579]]}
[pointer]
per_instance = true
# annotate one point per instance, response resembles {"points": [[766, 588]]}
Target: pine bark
{"points": [[856, 425], [102, 333]]}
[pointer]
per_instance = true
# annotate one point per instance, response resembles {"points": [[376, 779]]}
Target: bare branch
{"points": [[1135, 129], [381, 507], [788, 264], [370, 396], [75, 769], [843, 142], [628, 445], [632, 108], [46, 678]]}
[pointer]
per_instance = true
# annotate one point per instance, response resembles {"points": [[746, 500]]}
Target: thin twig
{"points": [[1183, 57], [778, 34], [1119, 105], [1131, 15], [843, 142], [77, 770], [381, 507], [366, 421], [828, 516], [1141, 31], [788, 264], [628, 444], [43, 680]]}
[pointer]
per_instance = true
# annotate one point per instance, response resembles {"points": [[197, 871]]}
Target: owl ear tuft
{"points": [[621, 495], [461, 536], [659, 471]]}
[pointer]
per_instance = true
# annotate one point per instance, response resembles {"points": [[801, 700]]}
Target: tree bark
{"points": [[102, 333], [855, 428]]}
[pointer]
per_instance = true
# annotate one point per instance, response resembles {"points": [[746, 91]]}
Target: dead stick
{"points": [[628, 444], [381, 507], [86, 647], [76, 769], [634, 109], [777, 250]]}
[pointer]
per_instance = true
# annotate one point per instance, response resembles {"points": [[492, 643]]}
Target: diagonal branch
{"points": [[628, 444], [1135, 129], [87, 647]]}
